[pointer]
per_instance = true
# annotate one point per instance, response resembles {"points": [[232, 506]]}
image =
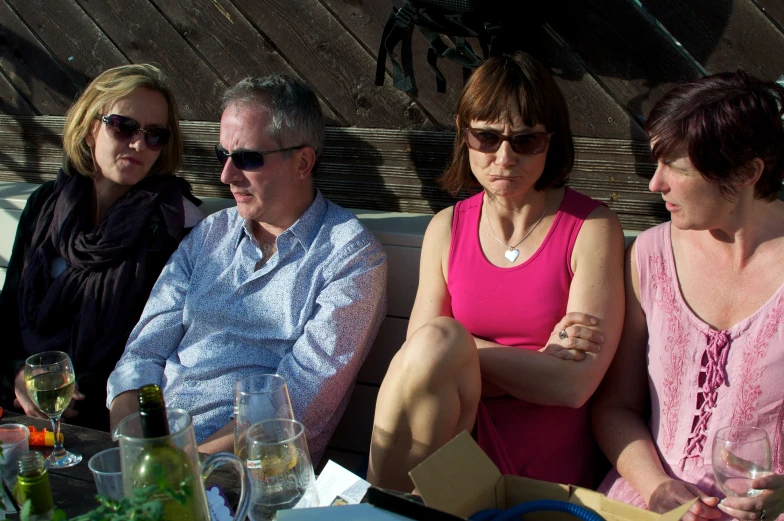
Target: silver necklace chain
{"points": [[514, 248]]}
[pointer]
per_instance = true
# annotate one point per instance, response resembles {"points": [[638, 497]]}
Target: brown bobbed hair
{"points": [[722, 123], [109, 87], [488, 95]]}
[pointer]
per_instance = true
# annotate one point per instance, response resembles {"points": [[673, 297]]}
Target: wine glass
{"points": [[49, 378], [281, 474], [740, 455], [257, 398]]}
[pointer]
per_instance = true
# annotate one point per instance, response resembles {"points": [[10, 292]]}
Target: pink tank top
{"points": [[519, 306], [701, 379]]}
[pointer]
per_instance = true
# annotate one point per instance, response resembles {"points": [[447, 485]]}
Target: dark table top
{"points": [[73, 489]]}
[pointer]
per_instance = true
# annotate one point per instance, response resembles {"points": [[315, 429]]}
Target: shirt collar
{"points": [[303, 230]]}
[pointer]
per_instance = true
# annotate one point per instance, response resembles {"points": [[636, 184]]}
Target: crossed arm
{"points": [[561, 372]]}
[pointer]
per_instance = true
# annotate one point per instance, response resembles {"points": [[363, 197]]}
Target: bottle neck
{"points": [[154, 422], [152, 411], [31, 465], [33, 485]]}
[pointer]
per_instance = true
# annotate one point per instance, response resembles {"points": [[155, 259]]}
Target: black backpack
{"points": [[456, 19]]}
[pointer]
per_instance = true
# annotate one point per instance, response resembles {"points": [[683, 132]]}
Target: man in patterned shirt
{"points": [[287, 282]]}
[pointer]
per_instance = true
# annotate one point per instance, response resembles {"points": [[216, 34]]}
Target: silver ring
{"points": [[563, 335], [763, 514]]}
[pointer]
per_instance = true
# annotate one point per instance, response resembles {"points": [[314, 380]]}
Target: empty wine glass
{"points": [[740, 455], [257, 398], [280, 470], [49, 378]]}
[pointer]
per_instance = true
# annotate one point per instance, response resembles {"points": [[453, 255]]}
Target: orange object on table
{"points": [[42, 438]]}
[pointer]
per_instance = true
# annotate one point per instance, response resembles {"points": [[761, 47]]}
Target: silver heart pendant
{"points": [[511, 255]]}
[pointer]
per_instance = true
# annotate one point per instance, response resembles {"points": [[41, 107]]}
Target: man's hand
{"points": [[771, 501], [582, 335], [221, 441], [674, 493], [123, 404]]}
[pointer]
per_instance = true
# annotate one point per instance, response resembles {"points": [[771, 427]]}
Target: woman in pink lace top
{"points": [[492, 346], [703, 339]]}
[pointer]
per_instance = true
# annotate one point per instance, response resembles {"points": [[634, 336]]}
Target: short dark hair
{"points": [[486, 97], [721, 123]]}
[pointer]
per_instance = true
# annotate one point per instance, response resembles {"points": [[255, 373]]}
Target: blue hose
{"points": [[541, 505]]}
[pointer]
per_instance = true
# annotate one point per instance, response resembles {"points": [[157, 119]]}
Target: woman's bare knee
{"points": [[438, 349]]}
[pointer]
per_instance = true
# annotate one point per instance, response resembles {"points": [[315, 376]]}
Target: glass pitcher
{"points": [[177, 462]]}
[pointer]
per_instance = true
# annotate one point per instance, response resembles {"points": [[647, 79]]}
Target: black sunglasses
{"points": [[123, 129], [526, 143], [248, 159]]}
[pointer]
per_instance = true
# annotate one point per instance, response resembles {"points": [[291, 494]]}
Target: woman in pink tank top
{"points": [[703, 340], [520, 299]]}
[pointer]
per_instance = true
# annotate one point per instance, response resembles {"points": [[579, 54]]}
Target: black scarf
{"points": [[90, 309]]}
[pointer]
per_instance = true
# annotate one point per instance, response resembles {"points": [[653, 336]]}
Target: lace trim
{"points": [[673, 363], [779, 457], [716, 376], [749, 389]]}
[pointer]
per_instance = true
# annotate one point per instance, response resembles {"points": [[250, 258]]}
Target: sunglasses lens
{"points": [[529, 144], [248, 160], [156, 138], [482, 140], [221, 154], [243, 160], [121, 127]]}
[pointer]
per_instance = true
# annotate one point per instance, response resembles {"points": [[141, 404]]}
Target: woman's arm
{"points": [[622, 402], [14, 355], [432, 298], [596, 289], [619, 409]]}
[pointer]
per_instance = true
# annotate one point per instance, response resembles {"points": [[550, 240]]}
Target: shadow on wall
{"points": [[40, 85], [349, 172], [609, 48]]}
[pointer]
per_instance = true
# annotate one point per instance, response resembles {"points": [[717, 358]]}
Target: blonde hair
{"points": [[109, 87]]}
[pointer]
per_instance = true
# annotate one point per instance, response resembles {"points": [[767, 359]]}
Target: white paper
{"points": [[336, 483]]}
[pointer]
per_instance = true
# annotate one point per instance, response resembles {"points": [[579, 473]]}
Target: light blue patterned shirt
{"points": [[310, 314]]}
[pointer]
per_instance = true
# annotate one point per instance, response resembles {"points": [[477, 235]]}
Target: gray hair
{"points": [[295, 113]]}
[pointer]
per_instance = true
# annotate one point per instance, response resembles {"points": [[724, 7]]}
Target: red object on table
{"points": [[42, 438]]}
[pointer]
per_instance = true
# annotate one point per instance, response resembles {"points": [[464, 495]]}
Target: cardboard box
{"points": [[460, 479]]}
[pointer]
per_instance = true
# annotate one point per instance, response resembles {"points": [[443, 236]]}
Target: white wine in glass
{"points": [[740, 456], [49, 378]]}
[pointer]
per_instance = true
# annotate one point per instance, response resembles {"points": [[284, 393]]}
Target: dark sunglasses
{"points": [[486, 140], [123, 129], [248, 159]]}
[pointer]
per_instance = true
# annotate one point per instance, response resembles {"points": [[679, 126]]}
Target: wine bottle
{"points": [[162, 464], [33, 484]]}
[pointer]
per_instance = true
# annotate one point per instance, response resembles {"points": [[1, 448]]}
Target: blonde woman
{"points": [[91, 243]]}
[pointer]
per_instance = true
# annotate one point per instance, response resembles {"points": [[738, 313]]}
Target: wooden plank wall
{"points": [[376, 169], [613, 59], [50, 49]]}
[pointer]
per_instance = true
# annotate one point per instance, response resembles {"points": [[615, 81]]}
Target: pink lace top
{"points": [[701, 379]]}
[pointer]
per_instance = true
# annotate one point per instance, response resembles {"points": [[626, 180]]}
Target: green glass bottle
{"points": [[161, 462], [33, 484]]}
